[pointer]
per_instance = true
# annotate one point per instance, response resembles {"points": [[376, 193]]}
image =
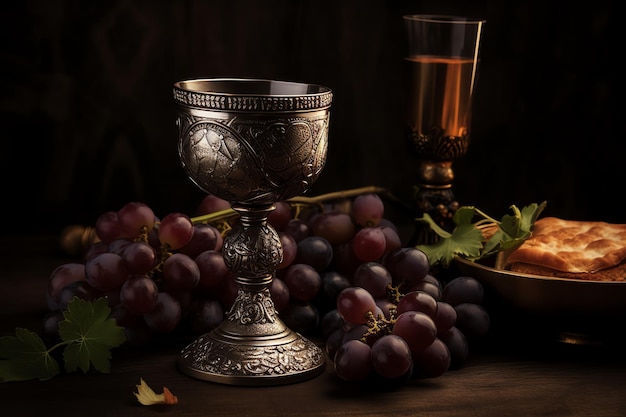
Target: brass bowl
{"points": [[578, 311]]}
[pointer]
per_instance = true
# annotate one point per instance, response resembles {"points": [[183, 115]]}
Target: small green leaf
{"points": [[465, 240], [90, 334], [25, 356]]}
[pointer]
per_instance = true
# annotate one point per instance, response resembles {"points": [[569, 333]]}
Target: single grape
{"points": [[391, 356], [445, 317], [139, 257], [175, 230], [280, 216], [211, 204], [354, 304], [213, 269], [330, 322], [80, 289], [333, 343], [303, 281], [407, 265], [463, 290], [165, 315], [301, 317], [344, 260], [205, 237], [180, 272], [418, 301], [94, 249], [290, 249], [472, 319], [335, 227], [315, 251], [386, 307], [428, 287], [433, 361], [106, 271], [119, 245], [136, 218], [368, 209], [205, 315], [416, 328], [332, 284], [139, 294], [373, 277], [458, 346], [50, 325], [297, 229], [352, 361], [280, 294], [392, 239], [368, 244], [61, 277], [108, 227]]}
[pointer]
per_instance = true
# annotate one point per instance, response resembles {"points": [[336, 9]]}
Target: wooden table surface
{"points": [[510, 373]]}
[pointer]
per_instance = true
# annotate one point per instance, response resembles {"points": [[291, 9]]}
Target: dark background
{"points": [[87, 118]]}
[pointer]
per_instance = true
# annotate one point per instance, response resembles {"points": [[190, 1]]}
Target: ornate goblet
{"points": [[253, 143], [443, 67]]}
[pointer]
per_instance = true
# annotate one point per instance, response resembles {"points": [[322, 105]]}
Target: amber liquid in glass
{"points": [[439, 96]]}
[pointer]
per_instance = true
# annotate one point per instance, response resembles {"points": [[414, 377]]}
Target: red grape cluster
{"points": [[345, 277]]}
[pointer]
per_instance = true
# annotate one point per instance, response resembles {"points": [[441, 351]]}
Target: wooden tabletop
{"points": [[512, 372]]}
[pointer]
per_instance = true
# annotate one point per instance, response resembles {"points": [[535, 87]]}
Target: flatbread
{"points": [[570, 246]]}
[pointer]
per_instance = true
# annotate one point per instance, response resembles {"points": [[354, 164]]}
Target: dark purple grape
{"points": [[367, 210], [211, 204], [330, 322], [332, 284], [418, 301], [336, 227], [407, 266], [301, 317], [165, 315], [290, 250], [445, 317], [213, 269], [373, 277], [297, 229], [205, 315], [106, 271], [433, 361], [368, 244], [314, 251], [391, 356], [416, 328], [352, 361], [458, 346], [180, 272], [205, 237], [135, 218], [472, 319], [140, 258], [280, 294], [303, 281], [463, 290], [280, 216], [80, 289], [333, 343], [61, 277], [354, 304], [139, 294], [426, 286]]}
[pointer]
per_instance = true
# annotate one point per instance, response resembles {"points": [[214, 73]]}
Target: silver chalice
{"points": [[252, 142]]}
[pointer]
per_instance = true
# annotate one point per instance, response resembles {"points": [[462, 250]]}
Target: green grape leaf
{"points": [[90, 335], [466, 239], [25, 356]]}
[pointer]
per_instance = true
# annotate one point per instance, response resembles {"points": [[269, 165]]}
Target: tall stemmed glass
{"points": [[442, 62], [253, 143]]}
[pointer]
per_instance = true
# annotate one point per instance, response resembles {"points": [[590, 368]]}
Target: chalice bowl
{"points": [[442, 62], [252, 142]]}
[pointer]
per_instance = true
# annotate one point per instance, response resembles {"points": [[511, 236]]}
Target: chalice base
{"points": [[236, 354]]}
